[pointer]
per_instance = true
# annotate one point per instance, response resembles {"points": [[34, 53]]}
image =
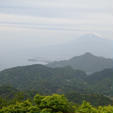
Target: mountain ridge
{"points": [[87, 62], [47, 80]]}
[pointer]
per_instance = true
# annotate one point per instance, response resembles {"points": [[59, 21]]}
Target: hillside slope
{"points": [[57, 80], [86, 62], [102, 82], [43, 79]]}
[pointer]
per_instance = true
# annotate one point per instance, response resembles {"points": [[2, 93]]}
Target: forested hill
{"points": [[42, 78], [86, 62], [57, 80], [102, 82], [10, 95]]}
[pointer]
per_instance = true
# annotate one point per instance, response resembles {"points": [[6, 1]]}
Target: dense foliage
{"points": [[53, 104], [102, 82], [38, 77], [10, 95], [94, 99], [57, 80], [82, 93]]}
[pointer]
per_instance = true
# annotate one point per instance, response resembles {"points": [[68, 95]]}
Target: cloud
{"points": [[58, 3], [57, 6], [58, 23], [64, 15]]}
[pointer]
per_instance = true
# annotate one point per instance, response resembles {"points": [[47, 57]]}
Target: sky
{"points": [[37, 23], [55, 18]]}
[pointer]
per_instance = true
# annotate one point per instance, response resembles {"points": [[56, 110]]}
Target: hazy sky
{"points": [[28, 24], [46, 21]]}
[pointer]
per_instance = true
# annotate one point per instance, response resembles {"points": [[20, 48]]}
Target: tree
{"points": [[56, 103], [86, 107]]}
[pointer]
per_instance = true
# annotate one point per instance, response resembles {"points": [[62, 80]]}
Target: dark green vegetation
{"points": [[19, 85], [9, 95], [94, 99], [57, 80], [43, 79], [87, 62], [53, 104], [102, 82]]}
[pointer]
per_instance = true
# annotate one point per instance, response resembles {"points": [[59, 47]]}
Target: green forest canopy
{"points": [[53, 104]]}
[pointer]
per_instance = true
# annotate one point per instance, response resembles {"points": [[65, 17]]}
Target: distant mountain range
{"points": [[18, 56], [57, 80], [86, 62], [86, 43]]}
